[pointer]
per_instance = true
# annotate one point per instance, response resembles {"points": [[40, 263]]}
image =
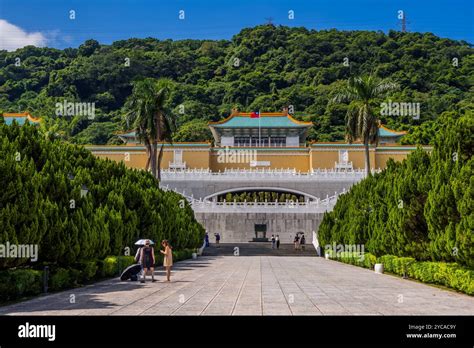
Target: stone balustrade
{"points": [[315, 206], [280, 174]]}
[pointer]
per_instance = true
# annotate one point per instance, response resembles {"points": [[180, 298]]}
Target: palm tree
{"points": [[149, 119], [361, 121]]}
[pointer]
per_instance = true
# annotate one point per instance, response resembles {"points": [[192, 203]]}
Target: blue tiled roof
{"points": [[386, 133], [131, 134], [262, 122], [20, 120]]}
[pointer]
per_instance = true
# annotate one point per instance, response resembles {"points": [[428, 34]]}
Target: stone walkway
{"points": [[254, 285]]}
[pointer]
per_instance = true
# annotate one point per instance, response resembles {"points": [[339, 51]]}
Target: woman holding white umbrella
{"points": [[147, 260]]}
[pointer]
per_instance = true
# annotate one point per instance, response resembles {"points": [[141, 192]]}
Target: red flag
{"points": [[255, 114]]}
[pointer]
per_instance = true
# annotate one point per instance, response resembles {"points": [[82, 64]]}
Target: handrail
{"points": [[200, 205], [285, 174]]}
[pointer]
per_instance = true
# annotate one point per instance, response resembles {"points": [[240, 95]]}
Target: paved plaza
{"points": [[254, 285]]}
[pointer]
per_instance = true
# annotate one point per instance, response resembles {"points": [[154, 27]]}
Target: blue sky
{"points": [[47, 21]]}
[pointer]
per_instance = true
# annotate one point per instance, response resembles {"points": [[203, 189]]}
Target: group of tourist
{"points": [[145, 256], [299, 242], [275, 241]]}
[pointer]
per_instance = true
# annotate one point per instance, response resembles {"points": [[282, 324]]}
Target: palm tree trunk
{"points": [[153, 159], [367, 158], [148, 154], [160, 157], [147, 165]]}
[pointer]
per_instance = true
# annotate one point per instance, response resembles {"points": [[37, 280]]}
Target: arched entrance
{"points": [[306, 196]]}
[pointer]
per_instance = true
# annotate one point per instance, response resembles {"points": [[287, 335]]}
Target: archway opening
{"points": [[260, 194]]}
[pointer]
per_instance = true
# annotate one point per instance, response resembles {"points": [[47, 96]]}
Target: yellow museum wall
{"points": [[196, 159], [324, 159], [132, 159], [278, 160], [382, 158], [300, 160]]}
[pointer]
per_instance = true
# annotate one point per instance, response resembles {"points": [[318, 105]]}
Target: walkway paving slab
{"points": [[254, 285]]}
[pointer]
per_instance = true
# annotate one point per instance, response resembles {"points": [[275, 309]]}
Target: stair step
{"points": [[258, 249]]}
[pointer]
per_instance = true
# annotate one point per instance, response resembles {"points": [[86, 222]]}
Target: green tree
{"points": [[150, 119], [361, 121], [195, 130]]}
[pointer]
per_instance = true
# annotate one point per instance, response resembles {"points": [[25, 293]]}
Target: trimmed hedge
{"points": [[19, 283], [366, 260], [183, 254], [112, 265], [451, 275], [178, 255]]}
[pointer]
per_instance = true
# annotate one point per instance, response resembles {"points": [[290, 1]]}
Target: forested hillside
{"points": [[265, 67]]}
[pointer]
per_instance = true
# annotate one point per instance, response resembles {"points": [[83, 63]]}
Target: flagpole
{"points": [[259, 132]]}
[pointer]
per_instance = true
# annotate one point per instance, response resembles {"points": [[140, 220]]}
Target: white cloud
{"points": [[13, 37]]}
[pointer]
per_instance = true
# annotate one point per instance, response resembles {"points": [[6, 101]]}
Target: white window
{"points": [[292, 141], [227, 141]]}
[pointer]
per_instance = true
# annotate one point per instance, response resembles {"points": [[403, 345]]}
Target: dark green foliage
{"points": [[179, 255], [113, 265], [61, 279], [278, 66], [420, 208], [195, 130], [19, 283], [39, 204], [366, 260]]}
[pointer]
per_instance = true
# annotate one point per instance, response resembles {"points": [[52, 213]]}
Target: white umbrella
{"points": [[142, 242]]}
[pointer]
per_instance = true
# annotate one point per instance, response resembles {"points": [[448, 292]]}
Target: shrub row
{"points": [[451, 275], [366, 260], [18, 283]]}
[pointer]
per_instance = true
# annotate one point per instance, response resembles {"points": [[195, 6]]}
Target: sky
{"points": [[48, 22]]}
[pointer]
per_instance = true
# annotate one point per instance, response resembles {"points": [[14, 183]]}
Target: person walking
{"points": [[296, 241], [147, 260], [273, 241], [278, 241], [302, 242], [168, 258], [218, 238]]}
